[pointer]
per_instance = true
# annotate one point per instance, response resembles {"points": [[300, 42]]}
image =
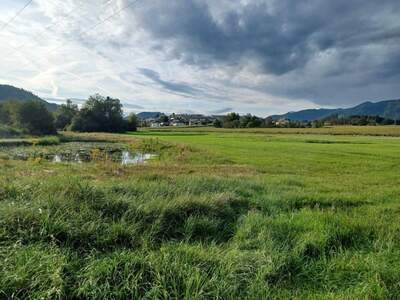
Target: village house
{"points": [[282, 122]]}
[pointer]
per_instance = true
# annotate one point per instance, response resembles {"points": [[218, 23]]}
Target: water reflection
{"points": [[78, 153], [78, 159], [139, 158], [125, 158]]}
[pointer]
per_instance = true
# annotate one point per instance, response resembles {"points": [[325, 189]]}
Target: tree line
{"points": [[234, 120], [360, 120], [105, 114], [98, 114]]}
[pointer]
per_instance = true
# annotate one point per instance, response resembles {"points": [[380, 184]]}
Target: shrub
{"points": [[7, 131], [48, 141]]}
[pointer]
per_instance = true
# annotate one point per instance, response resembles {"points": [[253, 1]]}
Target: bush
{"points": [[48, 141], [8, 131]]}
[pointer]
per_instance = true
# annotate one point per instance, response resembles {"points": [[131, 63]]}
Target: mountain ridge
{"points": [[12, 93], [149, 114], [386, 108]]}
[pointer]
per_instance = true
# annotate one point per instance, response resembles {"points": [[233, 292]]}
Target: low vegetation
{"points": [[218, 214], [359, 120], [7, 131], [30, 117], [328, 130], [98, 114]]}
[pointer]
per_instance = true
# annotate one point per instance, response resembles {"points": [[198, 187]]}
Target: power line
{"points": [[81, 34], [112, 15], [94, 26], [16, 15], [107, 2], [91, 28], [98, 24], [18, 49], [70, 13]]}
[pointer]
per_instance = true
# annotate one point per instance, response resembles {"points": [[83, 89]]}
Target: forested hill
{"points": [[8, 92], [388, 109], [149, 114]]}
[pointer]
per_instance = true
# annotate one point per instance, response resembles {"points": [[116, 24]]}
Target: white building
{"points": [[155, 125]]}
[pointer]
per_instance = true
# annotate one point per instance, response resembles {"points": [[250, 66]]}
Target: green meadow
{"points": [[216, 214]]}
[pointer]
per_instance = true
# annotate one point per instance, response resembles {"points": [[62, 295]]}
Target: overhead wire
{"points": [[80, 35], [15, 16], [93, 27], [97, 24], [18, 49], [66, 16]]}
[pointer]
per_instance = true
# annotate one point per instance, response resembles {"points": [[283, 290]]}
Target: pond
{"points": [[126, 158], [78, 152], [137, 158]]}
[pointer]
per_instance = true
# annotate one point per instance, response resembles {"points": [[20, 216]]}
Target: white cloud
{"points": [[50, 50]]}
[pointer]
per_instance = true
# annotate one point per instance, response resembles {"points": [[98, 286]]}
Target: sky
{"points": [[204, 56]]}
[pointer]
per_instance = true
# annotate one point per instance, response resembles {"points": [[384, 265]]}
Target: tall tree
{"points": [[64, 114], [231, 120], [34, 117], [101, 114], [132, 122], [8, 112], [4, 115]]}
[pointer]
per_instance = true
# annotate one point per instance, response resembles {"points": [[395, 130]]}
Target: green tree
{"points": [[317, 124], [64, 115], [249, 121], [100, 114], [245, 120], [5, 116], [163, 119], [34, 117], [132, 122], [8, 112], [231, 120], [269, 122], [217, 123]]}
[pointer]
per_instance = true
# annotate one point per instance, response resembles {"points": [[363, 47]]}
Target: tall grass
{"points": [[390, 130], [162, 232]]}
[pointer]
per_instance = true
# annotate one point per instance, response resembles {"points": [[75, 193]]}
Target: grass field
{"points": [[218, 214]]}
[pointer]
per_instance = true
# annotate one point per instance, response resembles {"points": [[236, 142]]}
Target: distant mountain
{"points": [[388, 109], [63, 101], [149, 115], [8, 92], [307, 114]]}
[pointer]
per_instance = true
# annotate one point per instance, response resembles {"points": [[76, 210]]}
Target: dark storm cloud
{"points": [[360, 38], [170, 86]]}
